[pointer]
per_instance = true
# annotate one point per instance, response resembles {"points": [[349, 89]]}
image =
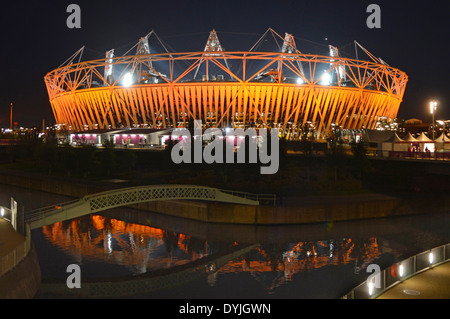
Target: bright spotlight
{"points": [[326, 79], [300, 81], [433, 107], [400, 270], [370, 287], [431, 258], [127, 79]]}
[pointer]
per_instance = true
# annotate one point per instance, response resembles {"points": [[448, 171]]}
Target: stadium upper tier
{"points": [[288, 90]]}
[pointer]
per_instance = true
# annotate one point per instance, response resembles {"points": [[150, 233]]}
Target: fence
{"points": [[399, 272], [417, 155]]}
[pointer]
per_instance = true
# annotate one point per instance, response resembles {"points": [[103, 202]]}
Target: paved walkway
{"points": [[431, 284]]}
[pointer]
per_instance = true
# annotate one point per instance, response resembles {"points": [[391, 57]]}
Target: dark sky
{"points": [[35, 39]]}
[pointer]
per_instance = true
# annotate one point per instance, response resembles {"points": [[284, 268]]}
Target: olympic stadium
{"points": [[283, 88]]}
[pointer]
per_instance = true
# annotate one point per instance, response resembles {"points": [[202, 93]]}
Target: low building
{"points": [[92, 137], [129, 138], [140, 138]]}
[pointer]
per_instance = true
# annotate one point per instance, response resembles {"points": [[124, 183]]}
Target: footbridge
{"points": [[128, 196]]}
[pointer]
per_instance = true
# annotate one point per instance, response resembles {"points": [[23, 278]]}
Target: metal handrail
{"points": [[51, 207], [37, 214], [246, 195], [400, 272]]}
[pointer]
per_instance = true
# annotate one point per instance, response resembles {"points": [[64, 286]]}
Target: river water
{"points": [[314, 261]]}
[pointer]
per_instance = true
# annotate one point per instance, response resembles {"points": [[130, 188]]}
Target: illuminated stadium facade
{"points": [[287, 89]]}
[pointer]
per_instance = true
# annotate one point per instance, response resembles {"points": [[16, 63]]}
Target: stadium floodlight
{"points": [[127, 79], [326, 79]]}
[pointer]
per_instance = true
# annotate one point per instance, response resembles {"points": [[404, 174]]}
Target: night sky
{"points": [[35, 39]]}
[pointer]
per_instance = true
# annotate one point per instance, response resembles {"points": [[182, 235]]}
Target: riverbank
{"points": [[304, 211], [22, 276], [288, 210]]}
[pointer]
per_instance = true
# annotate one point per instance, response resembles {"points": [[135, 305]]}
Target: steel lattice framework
{"points": [[286, 90]]}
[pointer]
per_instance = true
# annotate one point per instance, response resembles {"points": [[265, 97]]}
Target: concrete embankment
{"points": [[23, 281], [303, 211], [290, 210], [20, 274]]}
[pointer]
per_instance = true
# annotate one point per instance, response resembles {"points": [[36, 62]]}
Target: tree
{"points": [[360, 162], [68, 159], [335, 153]]}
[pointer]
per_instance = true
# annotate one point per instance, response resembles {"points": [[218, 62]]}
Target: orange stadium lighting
{"points": [[286, 90]]}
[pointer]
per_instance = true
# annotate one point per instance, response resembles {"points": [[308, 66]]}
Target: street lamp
{"points": [[432, 109], [10, 119]]}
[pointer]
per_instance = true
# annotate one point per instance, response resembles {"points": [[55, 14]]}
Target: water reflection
{"points": [[298, 261], [141, 248], [144, 248]]}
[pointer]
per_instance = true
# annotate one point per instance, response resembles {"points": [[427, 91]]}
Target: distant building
{"points": [[415, 126], [413, 122]]}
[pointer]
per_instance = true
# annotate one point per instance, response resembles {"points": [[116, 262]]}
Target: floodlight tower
{"points": [[143, 48], [212, 45], [10, 120], [290, 47], [340, 70], [433, 105], [109, 66]]}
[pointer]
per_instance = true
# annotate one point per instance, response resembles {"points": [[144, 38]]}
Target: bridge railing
{"points": [[132, 195], [399, 272], [167, 192], [40, 213]]}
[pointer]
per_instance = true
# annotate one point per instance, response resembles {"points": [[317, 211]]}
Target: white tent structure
{"points": [[423, 138], [442, 143], [409, 138], [425, 143], [411, 143], [395, 143]]}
